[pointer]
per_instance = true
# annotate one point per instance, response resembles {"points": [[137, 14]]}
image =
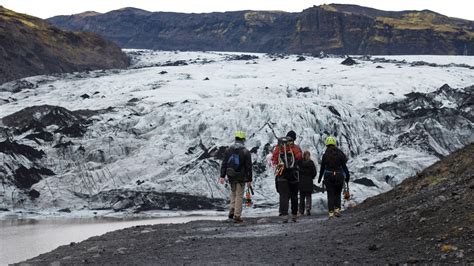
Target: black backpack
{"points": [[334, 160], [334, 173]]}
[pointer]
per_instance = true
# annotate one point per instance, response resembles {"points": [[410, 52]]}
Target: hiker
{"points": [[307, 171], [335, 172], [237, 166], [285, 158]]}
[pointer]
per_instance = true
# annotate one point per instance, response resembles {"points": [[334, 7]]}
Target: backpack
{"points": [[333, 159], [334, 173], [286, 157], [234, 165]]}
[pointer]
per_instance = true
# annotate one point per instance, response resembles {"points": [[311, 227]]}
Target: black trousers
{"points": [[334, 195], [305, 201], [287, 187]]}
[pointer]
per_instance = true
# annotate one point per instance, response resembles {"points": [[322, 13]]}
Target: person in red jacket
{"points": [[285, 158]]}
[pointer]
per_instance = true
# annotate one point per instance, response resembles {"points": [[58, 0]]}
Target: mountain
{"points": [[339, 29], [152, 137], [30, 46]]}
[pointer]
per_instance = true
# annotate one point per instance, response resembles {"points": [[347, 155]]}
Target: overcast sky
{"points": [[48, 8]]}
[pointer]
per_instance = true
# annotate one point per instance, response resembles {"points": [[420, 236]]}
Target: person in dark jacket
{"points": [[237, 166], [286, 157], [335, 172], [307, 174]]}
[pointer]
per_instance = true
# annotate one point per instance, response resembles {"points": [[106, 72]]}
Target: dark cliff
{"points": [[30, 46], [342, 29]]}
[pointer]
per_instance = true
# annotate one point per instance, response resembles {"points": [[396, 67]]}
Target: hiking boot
{"points": [[284, 218], [337, 212], [308, 212], [294, 218], [331, 215], [231, 215], [238, 220]]}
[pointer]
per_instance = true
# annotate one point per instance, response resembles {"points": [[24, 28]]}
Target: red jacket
{"points": [[296, 151]]}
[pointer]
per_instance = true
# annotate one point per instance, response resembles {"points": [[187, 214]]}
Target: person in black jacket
{"points": [[307, 174], [237, 166], [335, 172]]}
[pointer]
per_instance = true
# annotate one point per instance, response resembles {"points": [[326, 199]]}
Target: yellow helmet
{"points": [[331, 140], [240, 134]]}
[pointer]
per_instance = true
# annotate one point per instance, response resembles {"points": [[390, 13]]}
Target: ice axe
{"points": [[251, 190], [347, 194], [248, 197]]}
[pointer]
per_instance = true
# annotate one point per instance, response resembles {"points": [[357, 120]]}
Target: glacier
{"points": [[152, 137]]}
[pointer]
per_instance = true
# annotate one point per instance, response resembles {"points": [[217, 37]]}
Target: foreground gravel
{"points": [[312, 240], [263, 240]]}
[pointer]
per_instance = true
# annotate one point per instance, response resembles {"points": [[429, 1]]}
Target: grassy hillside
{"points": [[30, 46]]}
